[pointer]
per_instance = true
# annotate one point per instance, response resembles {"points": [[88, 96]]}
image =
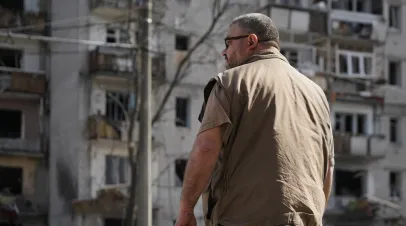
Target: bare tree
{"points": [[219, 9]]}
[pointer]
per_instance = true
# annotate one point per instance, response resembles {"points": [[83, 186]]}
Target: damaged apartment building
{"points": [[63, 124], [353, 50], [23, 113]]}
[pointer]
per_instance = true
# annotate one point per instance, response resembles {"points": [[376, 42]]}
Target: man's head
{"points": [[249, 34]]}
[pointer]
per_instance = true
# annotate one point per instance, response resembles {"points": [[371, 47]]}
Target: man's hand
{"points": [[186, 218]]}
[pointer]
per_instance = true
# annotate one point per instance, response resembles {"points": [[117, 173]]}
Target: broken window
{"points": [[182, 112], [393, 130], [117, 170], [111, 35], [10, 124], [394, 16], [117, 34], [180, 167], [394, 76], [11, 180], [117, 105], [353, 29], [10, 58], [349, 183], [354, 124], [395, 185], [181, 42]]}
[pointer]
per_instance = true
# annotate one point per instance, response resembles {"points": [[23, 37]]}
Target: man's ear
{"points": [[252, 41]]}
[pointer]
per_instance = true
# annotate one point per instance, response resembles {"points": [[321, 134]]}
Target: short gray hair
{"points": [[259, 24]]}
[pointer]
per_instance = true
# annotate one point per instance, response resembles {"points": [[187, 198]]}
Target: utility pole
{"points": [[144, 180]]}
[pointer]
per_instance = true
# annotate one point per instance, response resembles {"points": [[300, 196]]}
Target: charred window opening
{"points": [[10, 58], [10, 124], [394, 73], [11, 180], [111, 36], [395, 185], [349, 183], [180, 167], [393, 130], [181, 42]]}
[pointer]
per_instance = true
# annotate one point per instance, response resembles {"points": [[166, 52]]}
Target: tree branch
{"points": [[178, 77]]}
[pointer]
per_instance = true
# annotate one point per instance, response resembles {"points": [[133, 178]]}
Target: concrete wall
{"points": [[395, 48], [178, 142], [69, 156]]}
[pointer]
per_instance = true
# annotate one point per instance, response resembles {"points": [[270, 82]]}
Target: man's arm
{"points": [[328, 182], [200, 166], [213, 134]]}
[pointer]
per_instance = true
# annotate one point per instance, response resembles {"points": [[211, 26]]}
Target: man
{"points": [[264, 152]]}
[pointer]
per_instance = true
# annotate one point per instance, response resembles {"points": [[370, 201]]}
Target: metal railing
{"points": [[21, 145]]}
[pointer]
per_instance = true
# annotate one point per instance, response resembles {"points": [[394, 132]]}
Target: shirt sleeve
{"points": [[217, 113]]}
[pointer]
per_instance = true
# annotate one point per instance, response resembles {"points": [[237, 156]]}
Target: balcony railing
{"points": [[360, 26], [119, 4], [32, 20], [112, 8], [18, 80], [120, 63], [313, 26], [20, 145], [348, 145], [115, 63]]}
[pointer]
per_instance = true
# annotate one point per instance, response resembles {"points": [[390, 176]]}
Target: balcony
{"points": [[20, 146], [11, 19], [110, 62], [110, 9], [346, 145], [350, 26], [298, 25], [115, 63], [20, 81]]}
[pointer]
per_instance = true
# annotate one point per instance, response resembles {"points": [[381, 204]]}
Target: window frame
{"points": [[361, 56]]}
